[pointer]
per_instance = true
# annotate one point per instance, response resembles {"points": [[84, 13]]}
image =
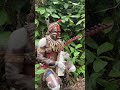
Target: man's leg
{"points": [[52, 80]]}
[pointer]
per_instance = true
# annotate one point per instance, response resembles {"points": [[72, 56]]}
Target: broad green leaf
{"points": [[37, 77], [108, 20], [74, 59], [66, 5], [55, 16], [104, 48], [65, 18], [102, 82], [78, 46], [49, 11], [73, 44], [75, 4], [46, 15], [39, 71], [37, 65], [75, 16], [72, 49], [55, 2], [91, 43], [41, 10], [76, 53], [89, 56], [36, 22], [80, 21], [36, 33], [99, 64], [93, 79], [114, 73], [36, 42]]}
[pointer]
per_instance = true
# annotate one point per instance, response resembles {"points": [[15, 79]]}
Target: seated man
{"points": [[48, 51]]}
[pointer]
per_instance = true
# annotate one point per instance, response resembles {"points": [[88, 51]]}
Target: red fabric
{"points": [[44, 66]]}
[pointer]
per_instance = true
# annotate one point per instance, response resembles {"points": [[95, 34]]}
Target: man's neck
{"points": [[54, 38]]}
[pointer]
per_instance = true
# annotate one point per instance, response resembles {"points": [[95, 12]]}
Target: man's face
{"points": [[55, 33]]}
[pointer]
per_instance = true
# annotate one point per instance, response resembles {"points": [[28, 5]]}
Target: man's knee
{"points": [[52, 80], [56, 88], [72, 69]]}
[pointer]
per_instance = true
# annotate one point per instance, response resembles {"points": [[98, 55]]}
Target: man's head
{"points": [[54, 30]]}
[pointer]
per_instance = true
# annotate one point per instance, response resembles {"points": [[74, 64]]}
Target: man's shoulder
{"points": [[42, 42], [19, 31], [18, 39]]}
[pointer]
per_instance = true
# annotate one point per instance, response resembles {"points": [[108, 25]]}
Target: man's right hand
{"points": [[61, 65]]}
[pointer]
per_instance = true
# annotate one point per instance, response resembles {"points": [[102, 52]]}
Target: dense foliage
{"points": [[103, 49], [72, 14]]}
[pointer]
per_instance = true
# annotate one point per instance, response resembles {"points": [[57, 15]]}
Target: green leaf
{"points": [[104, 48], [76, 53], [39, 71], [37, 65], [46, 15], [56, 2], [102, 82], [65, 18], [72, 49], [80, 21], [66, 5], [74, 59], [49, 11], [98, 65], [36, 33], [114, 73], [36, 42], [76, 16], [89, 56], [37, 78], [41, 10], [108, 20], [55, 16], [93, 79], [91, 43], [78, 46], [36, 22]]}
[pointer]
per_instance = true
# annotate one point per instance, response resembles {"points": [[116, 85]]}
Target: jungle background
{"points": [[103, 49]]}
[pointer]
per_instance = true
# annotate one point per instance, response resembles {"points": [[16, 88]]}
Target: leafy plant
{"points": [[38, 72]]}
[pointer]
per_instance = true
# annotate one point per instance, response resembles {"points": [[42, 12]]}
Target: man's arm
{"points": [[41, 53]]}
